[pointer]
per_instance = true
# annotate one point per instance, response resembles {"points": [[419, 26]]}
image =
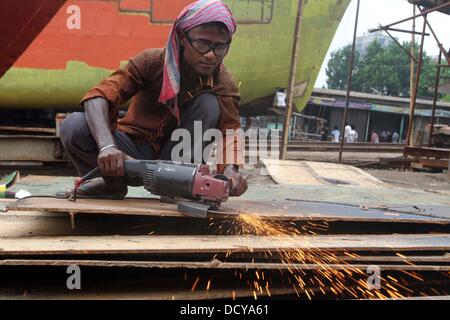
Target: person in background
{"points": [[395, 137], [323, 134], [335, 134], [346, 131], [280, 99], [352, 135], [322, 130], [374, 137], [384, 135], [389, 136]]}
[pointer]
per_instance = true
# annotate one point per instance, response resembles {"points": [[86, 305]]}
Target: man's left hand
{"points": [[238, 181]]}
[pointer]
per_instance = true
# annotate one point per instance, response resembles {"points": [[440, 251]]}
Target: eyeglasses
{"points": [[203, 48]]}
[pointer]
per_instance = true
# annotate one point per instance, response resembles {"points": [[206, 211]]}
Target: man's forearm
{"points": [[97, 117]]}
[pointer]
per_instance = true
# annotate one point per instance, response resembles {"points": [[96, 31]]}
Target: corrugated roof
{"points": [[375, 97]]}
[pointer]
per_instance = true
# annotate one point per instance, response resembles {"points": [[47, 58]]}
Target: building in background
{"points": [[369, 112], [364, 41]]}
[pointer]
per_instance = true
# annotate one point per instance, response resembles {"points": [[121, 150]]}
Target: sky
{"points": [[375, 12]]}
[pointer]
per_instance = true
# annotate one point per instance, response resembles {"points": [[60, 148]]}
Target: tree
{"points": [[381, 70], [337, 68]]}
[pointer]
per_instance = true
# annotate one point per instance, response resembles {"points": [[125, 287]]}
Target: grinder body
{"points": [[187, 181]]}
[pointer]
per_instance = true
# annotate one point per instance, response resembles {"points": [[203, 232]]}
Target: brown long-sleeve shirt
{"points": [[147, 119]]}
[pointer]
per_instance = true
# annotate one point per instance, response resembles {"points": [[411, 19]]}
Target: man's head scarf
{"points": [[194, 15]]}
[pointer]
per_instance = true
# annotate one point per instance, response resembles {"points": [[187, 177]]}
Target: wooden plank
{"points": [[215, 264], [29, 148], [416, 165], [21, 164], [287, 172], [217, 244], [407, 259], [133, 290], [129, 206], [428, 152], [323, 211], [348, 148], [31, 224], [42, 224], [27, 129], [434, 163], [274, 210]]}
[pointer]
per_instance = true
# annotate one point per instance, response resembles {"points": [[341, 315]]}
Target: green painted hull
{"points": [[259, 60]]}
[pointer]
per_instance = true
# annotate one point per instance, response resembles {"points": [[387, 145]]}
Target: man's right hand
{"points": [[111, 162], [110, 159]]}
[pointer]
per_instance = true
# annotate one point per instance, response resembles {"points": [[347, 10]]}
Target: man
{"points": [[389, 136], [335, 134], [374, 137], [384, 135], [280, 99], [395, 137], [347, 130], [352, 135], [323, 131], [171, 88], [279, 103]]}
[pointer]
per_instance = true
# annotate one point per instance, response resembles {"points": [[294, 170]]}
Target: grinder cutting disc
{"points": [[203, 210], [193, 209]]}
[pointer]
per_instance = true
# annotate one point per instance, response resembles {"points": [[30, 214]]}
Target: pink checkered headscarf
{"points": [[197, 13]]}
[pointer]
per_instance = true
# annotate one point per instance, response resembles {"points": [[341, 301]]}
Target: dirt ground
{"points": [[415, 180]]}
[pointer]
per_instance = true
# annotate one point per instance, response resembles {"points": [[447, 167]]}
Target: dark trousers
{"points": [[83, 150]]}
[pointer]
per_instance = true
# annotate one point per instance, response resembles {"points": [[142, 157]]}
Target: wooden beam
{"points": [[127, 290], [28, 129], [129, 206], [427, 152], [215, 264], [434, 163], [292, 210], [217, 244]]}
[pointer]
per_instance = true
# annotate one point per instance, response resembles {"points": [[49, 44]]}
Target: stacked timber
{"points": [[140, 248], [428, 157]]}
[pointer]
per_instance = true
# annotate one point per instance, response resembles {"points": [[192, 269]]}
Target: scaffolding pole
{"points": [[416, 85], [413, 61], [422, 13], [436, 85], [292, 77], [349, 84]]}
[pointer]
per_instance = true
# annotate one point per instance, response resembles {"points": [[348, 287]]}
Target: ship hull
{"points": [[87, 39]]}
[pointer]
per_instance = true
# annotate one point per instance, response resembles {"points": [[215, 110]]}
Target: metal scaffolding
{"points": [[425, 7]]}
